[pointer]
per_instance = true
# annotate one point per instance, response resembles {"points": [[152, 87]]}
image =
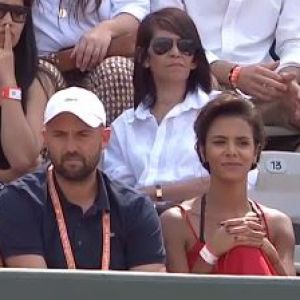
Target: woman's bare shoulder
{"points": [[175, 214], [273, 214], [172, 222], [278, 222], [172, 214], [192, 206]]}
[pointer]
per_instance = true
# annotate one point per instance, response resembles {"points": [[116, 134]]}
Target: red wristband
{"points": [[13, 93], [234, 75]]}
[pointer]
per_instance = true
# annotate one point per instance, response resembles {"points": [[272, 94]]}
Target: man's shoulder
{"points": [[30, 186], [125, 197]]}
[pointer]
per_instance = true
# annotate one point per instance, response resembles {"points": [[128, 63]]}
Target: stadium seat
{"points": [[278, 182], [278, 186]]}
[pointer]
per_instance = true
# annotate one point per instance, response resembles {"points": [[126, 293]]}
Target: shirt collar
{"points": [[101, 202], [195, 100], [102, 195]]}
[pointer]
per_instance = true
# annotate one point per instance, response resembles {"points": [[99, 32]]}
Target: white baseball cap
{"points": [[78, 101]]}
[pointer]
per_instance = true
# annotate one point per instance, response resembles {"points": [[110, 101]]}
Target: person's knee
{"points": [[112, 82]]}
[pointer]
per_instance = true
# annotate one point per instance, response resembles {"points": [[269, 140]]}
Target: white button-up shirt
{"points": [[142, 152], [54, 33], [243, 31]]}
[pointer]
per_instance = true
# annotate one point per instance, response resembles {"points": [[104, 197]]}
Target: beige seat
{"points": [[278, 182], [278, 186]]}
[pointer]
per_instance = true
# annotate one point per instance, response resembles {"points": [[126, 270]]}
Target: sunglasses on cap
{"points": [[18, 13], [163, 45]]}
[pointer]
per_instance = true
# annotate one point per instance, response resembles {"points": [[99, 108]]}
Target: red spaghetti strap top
{"points": [[193, 253], [241, 260]]}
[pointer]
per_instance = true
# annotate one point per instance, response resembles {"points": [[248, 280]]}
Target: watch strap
{"points": [[158, 192]]}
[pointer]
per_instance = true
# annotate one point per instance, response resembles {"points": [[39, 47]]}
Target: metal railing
{"points": [[90, 285]]}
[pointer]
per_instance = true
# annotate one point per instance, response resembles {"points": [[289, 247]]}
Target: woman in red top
{"points": [[223, 231]]}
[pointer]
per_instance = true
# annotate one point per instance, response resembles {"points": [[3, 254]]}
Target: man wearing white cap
{"points": [[69, 214]]}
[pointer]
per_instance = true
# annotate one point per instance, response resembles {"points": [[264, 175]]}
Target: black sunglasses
{"points": [[162, 45], [18, 13]]}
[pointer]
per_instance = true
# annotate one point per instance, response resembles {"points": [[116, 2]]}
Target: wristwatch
{"points": [[13, 93], [158, 192]]}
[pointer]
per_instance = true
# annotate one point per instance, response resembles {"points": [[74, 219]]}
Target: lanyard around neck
{"points": [[63, 229]]}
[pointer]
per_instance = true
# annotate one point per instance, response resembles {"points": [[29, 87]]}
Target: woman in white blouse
{"points": [[152, 145]]}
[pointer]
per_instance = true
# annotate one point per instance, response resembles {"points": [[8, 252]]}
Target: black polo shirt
{"points": [[28, 225]]}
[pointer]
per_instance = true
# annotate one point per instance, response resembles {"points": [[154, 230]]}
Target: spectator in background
{"points": [[237, 235], [23, 91], [152, 144], [69, 214], [238, 36], [91, 31]]}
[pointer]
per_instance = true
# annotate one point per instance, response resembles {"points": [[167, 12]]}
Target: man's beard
{"points": [[79, 173]]}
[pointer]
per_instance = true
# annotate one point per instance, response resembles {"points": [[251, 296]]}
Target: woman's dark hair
{"points": [[25, 53], [228, 104], [176, 21], [79, 8]]}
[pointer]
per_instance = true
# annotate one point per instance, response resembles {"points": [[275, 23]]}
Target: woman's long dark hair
{"points": [[79, 7], [176, 21], [25, 53]]}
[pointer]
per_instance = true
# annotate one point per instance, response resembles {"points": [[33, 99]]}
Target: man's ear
{"points": [[105, 135]]}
